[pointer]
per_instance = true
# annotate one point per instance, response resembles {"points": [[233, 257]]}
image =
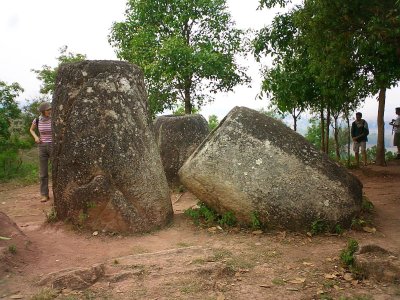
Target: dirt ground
{"points": [[185, 261]]}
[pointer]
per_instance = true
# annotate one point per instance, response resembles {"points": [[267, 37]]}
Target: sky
{"points": [[32, 32]]}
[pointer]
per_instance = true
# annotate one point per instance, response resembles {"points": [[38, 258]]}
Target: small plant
{"points": [[366, 205], [51, 216], [45, 294], [278, 281], [255, 220], [228, 219], [338, 229], [12, 249], [194, 214], [183, 245], [318, 226], [91, 204], [180, 189], [116, 262], [347, 254], [82, 217], [208, 215], [358, 224]]}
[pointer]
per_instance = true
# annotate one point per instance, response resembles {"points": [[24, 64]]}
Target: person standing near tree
{"points": [[44, 141], [396, 129], [359, 134]]}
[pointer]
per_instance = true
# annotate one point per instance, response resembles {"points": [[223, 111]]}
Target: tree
{"points": [[186, 48], [373, 47], [213, 122], [8, 107], [47, 75], [289, 84], [359, 35]]}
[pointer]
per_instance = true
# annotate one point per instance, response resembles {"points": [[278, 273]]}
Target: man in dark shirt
{"points": [[359, 133]]}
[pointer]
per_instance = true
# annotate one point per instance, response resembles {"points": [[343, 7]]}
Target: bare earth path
{"points": [[184, 261]]}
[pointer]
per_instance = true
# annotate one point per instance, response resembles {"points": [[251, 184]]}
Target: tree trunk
{"points": [[336, 135], [322, 130], [380, 146], [348, 138], [328, 123], [294, 119], [188, 104]]}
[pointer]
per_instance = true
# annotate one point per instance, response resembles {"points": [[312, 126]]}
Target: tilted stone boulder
{"points": [[177, 137], [256, 167], [107, 171]]}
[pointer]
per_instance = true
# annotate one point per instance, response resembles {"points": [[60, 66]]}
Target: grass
{"points": [[191, 287], [347, 254], [12, 249], [45, 294], [221, 254], [183, 245], [366, 205], [207, 216], [21, 167], [318, 226], [51, 216], [278, 281]]}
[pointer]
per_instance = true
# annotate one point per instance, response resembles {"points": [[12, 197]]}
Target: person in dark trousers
{"points": [[44, 141], [359, 134]]}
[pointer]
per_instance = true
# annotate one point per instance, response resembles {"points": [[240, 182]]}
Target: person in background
{"points": [[359, 134], [44, 141], [396, 129]]}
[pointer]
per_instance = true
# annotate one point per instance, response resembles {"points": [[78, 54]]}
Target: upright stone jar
{"points": [[107, 170]]}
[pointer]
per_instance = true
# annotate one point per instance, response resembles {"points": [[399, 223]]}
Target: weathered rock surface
{"points": [[177, 137], [253, 165], [107, 171], [74, 278], [373, 261]]}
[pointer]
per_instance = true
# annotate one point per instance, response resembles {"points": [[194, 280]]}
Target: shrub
{"points": [[347, 254]]}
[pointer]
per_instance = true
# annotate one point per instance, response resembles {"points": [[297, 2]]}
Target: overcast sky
{"points": [[32, 32]]}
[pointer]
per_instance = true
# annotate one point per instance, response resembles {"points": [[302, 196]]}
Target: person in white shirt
{"points": [[396, 130]]}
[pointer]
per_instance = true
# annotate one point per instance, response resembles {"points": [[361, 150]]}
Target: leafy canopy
{"points": [[186, 49], [8, 107], [47, 75]]}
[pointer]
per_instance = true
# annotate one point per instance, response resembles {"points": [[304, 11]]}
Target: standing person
{"points": [[396, 130], [44, 141], [359, 133]]}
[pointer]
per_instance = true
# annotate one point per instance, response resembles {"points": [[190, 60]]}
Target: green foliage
{"points": [[228, 219], [389, 155], [9, 109], [371, 154], [13, 167], [180, 110], [213, 122], [12, 249], [318, 226], [366, 205], [46, 294], [187, 49], [358, 223], [204, 214], [338, 229], [51, 216], [47, 75], [255, 220], [347, 254]]}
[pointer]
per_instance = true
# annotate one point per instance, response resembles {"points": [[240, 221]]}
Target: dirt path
{"points": [[184, 261]]}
